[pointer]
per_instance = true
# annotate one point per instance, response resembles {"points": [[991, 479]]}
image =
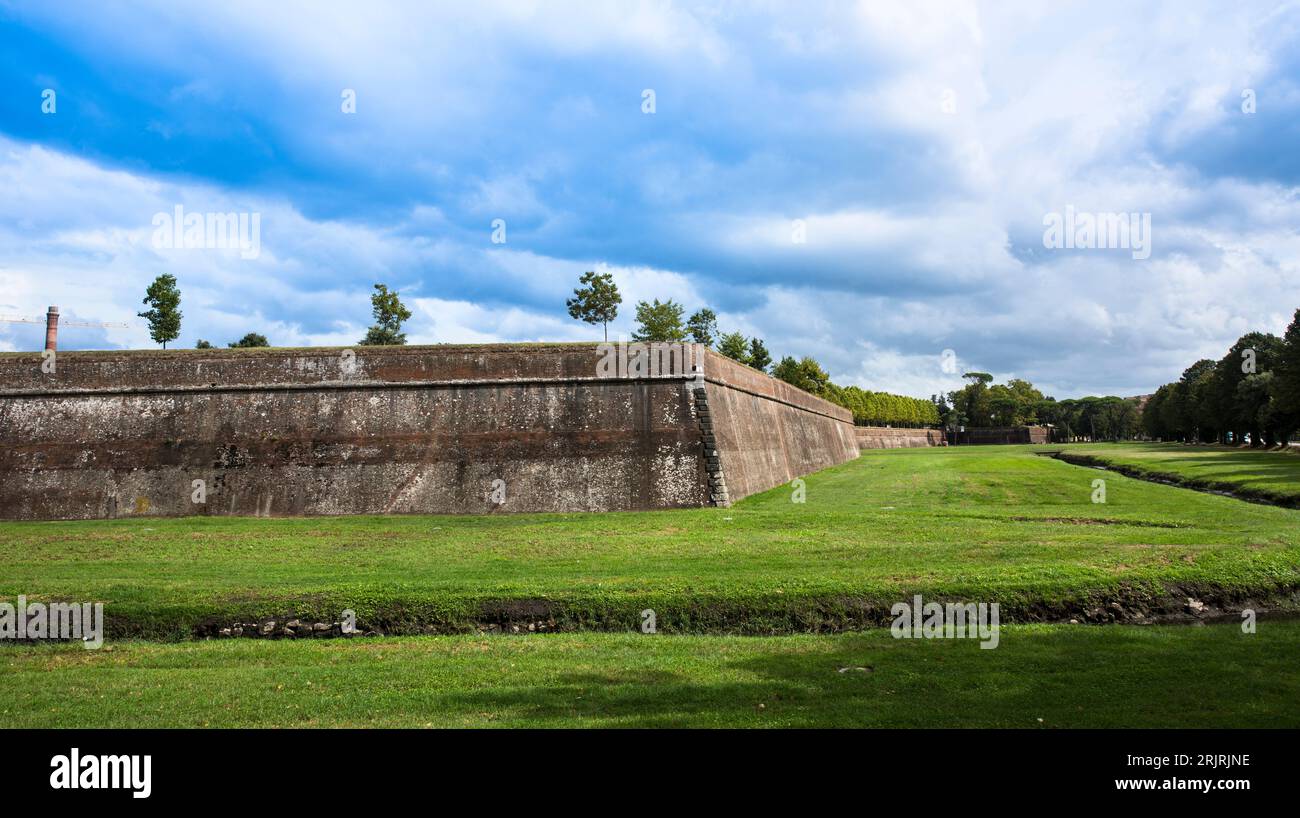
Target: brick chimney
{"points": [[52, 328]]}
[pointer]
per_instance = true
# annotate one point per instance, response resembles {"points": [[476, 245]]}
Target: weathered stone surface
{"points": [[389, 430], [1002, 435], [769, 432], [882, 437]]}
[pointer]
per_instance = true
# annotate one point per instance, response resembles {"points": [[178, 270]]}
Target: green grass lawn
{"points": [[1271, 475], [1038, 676], [976, 523]]}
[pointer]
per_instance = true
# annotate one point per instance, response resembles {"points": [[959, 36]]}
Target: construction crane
{"points": [[52, 323]]}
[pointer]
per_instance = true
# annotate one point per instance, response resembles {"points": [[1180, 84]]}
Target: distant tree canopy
{"points": [[250, 340], [202, 344], [884, 409], [1093, 418], [164, 313], [595, 300], [1253, 392], [868, 408], [389, 313], [982, 403], [659, 322]]}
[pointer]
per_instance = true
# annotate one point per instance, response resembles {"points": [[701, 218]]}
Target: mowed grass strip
{"points": [[1039, 676], [979, 523], [1266, 474]]}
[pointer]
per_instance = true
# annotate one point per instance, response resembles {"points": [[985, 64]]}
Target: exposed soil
{"points": [[1126, 605], [1095, 521]]}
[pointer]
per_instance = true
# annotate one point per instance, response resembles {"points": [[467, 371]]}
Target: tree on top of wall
{"points": [[804, 373], [732, 345], [659, 322], [250, 341], [389, 314], [759, 357], [596, 301], [703, 326], [164, 313]]}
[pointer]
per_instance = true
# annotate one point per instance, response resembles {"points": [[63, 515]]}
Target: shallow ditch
{"points": [[1134, 605], [1220, 488]]}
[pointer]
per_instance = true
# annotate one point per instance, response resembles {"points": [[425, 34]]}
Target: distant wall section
{"points": [[1001, 435], [880, 437]]}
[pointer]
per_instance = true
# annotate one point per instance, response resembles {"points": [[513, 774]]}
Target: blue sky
{"points": [[920, 145]]}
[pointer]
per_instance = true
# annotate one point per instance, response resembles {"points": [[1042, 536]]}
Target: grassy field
{"points": [[1039, 676], [979, 523], [1271, 475]]}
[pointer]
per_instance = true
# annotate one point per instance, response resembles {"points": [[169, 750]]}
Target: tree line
{"points": [[1250, 394], [1019, 403], [883, 408]]}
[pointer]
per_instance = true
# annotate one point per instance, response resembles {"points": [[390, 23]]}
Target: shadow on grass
{"points": [[1081, 677]]}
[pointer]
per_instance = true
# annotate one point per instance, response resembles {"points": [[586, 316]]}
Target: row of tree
{"points": [[596, 301], [983, 403], [1250, 394], [868, 408], [883, 408], [1094, 418], [1019, 403]]}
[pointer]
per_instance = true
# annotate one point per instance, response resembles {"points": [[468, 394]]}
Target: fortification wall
{"points": [[275, 432], [769, 432], [882, 437], [1001, 435], [383, 430]]}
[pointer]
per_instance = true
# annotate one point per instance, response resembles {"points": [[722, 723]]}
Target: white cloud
{"points": [[462, 322], [928, 238]]}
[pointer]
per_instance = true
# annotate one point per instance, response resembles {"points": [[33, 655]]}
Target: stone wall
{"points": [[769, 432], [881, 437], [380, 430], [1000, 435]]}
